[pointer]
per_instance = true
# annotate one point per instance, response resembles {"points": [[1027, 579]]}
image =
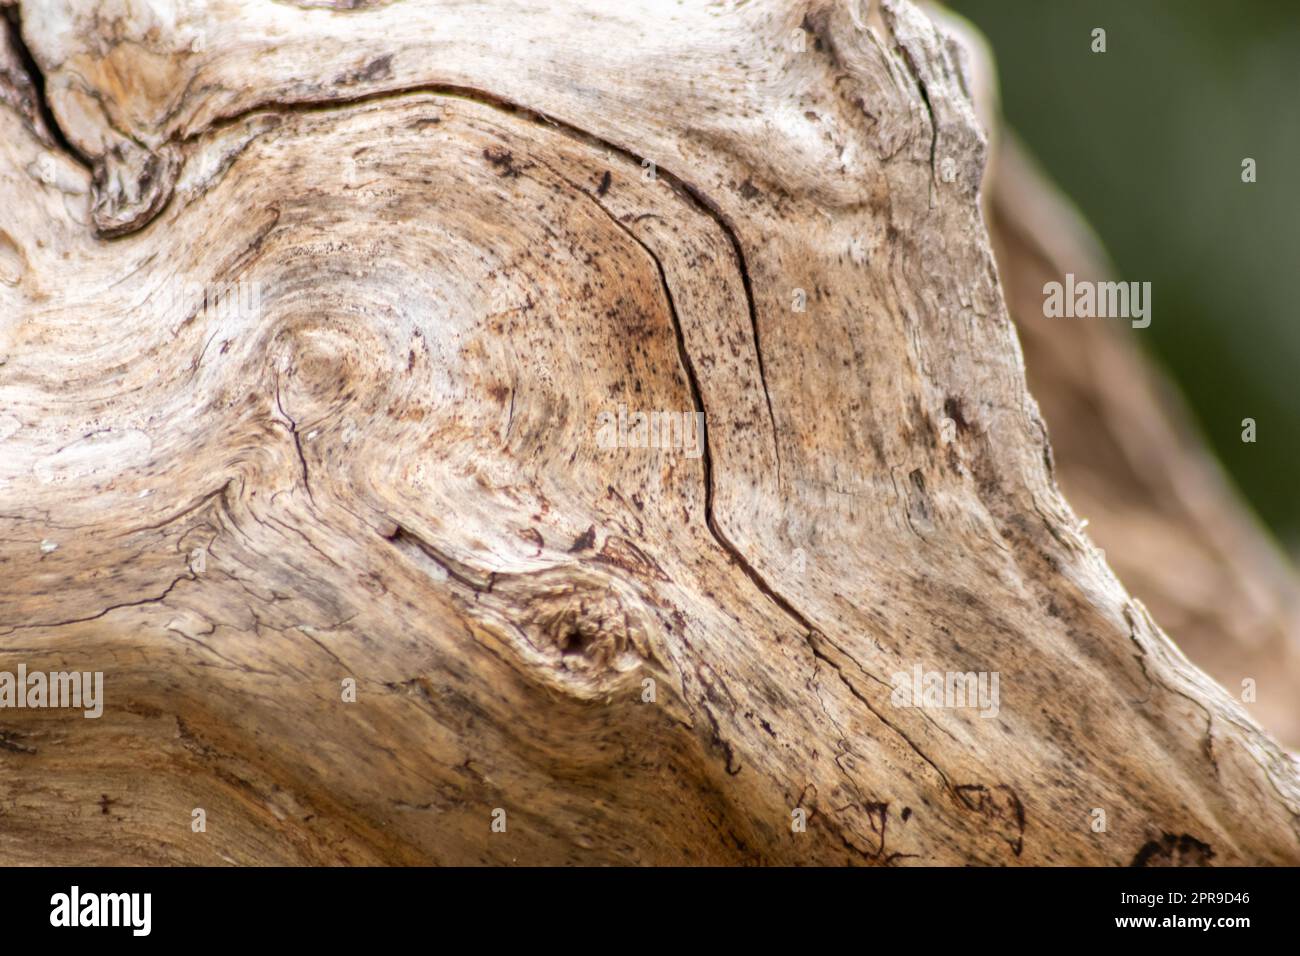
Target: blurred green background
{"points": [[1148, 139]]}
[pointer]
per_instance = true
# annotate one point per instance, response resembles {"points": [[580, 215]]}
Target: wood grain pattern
{"points": [[387, 469]]}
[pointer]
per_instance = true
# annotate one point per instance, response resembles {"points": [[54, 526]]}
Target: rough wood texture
{"points": [[1124, 451], [1126, 457], [387, 468]]}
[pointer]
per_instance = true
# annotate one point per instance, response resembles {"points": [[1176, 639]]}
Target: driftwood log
{"points": [[324, 331]]}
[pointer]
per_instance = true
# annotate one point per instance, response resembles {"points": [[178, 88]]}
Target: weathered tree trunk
{"points": [[462, 239]]}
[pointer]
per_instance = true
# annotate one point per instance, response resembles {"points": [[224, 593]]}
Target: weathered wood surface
{"points": [[1127, 458], [388, 469]]}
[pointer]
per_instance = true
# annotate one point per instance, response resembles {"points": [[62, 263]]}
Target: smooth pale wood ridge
{"points": [[393, 469]]}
